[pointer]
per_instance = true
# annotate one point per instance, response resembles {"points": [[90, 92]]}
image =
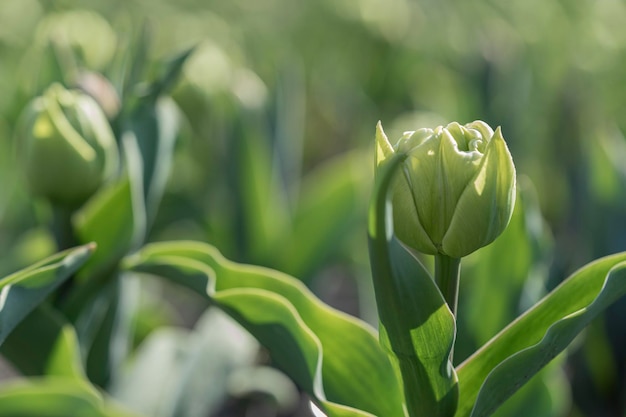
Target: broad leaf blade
{"points": [[44, 343], [495, 372], [109, 219], [64, 391], [55, 397], [153, 128], [213, 351], [22, 291], [329, 207], [65, 359], [417, 327], [31, 344], [333, 357]]}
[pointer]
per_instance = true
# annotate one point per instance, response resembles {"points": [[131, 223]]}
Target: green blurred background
{"points": [[274, 161]]}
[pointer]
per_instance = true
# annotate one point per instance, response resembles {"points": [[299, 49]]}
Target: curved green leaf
{"points": [[64, 391], [110, 220], [335, 358], [24, 290], [330, 204], [55, 397], [506, 362], [417, 327]]}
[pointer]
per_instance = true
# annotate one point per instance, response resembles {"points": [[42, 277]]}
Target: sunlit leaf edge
{"points": [[71, 259]]}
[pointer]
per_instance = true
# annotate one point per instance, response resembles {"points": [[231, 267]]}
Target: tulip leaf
{"points": [[333, 357], [55, 397], [487, 305], [44, 343], [262, 202], [107, 220], [150, 127], [153, 127], [328, 209], [65, 359], [24, 290], [212, 351], [416, 325], [507, 361], [169, 72]]}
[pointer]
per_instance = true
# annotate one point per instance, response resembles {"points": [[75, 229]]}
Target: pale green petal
{"points": [[421, 170], [411, 140], [407, 226], [406, 222], [486, 205], [483, 128], [383, 147], [457, 169]]}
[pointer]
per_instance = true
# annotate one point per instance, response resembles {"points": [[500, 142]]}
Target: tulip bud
{"points": [[456, 190], [66, 146]]}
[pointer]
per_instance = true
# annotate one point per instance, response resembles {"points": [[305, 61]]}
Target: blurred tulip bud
{"points": [[456, 190], [66, 146], [101, 90]]}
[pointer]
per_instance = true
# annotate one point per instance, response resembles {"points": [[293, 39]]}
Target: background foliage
{"points": [[275, 110]]}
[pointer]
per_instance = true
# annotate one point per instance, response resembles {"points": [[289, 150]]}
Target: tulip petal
{"points": [[457, 168], [406, 219], [485, 207], [420, 171], [383, 147], [407, 225]]}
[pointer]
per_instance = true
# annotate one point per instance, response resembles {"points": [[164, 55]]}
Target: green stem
{"points": [[62, 227], [447, 273], [65, 237]]}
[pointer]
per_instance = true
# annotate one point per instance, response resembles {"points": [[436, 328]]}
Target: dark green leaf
{"points": [[109, 220], [22, 291]]}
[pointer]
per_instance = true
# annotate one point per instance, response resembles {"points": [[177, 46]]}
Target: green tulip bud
{"points": [[66, 146], [456, 190]]}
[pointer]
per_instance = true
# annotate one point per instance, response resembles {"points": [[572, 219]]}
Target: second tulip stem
{"points": [[447, 272]]}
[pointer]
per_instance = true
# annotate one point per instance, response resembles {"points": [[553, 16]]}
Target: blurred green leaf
{"points": [[65, 359], [133, 60], [45, 343], [335, 358], [152, 129], [506, 362], [109, 220], [105, 330], [55, 397], [187, 359], [261, 201], [64, 391], [329, 208], [24, 290], [547, 394], [170, 72], [149, 127], [37, 339]]}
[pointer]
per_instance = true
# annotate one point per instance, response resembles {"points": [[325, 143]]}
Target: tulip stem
{"points": [[447, 273], [62, 227], [64, 235]]}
